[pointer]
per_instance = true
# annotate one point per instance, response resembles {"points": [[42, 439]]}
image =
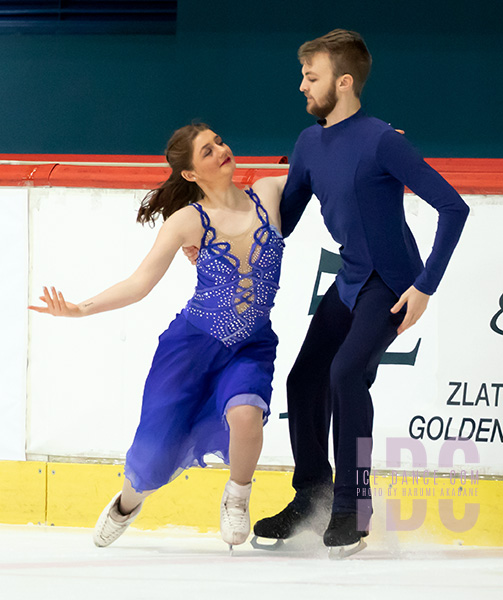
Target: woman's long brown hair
{"points": [[176, 192]]}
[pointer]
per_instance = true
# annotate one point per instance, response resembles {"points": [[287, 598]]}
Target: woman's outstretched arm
{"points": [[181, 228]]}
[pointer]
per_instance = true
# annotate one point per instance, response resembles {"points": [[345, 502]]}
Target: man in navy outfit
{"points": [[357, 167]]}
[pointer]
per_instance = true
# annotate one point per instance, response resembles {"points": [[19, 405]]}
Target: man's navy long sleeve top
{"points": [[357, 169]]}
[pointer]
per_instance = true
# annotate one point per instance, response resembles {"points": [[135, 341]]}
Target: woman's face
{"points": [[211, 159]]}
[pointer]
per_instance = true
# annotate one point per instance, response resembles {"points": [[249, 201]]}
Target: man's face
{"points": [[318, 85]]}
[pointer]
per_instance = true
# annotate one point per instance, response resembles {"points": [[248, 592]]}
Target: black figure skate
{"points": [[342, 537], [308, 511]]}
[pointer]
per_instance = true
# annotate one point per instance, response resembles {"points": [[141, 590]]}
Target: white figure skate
{"points": [[112, 523], [234, 515]]}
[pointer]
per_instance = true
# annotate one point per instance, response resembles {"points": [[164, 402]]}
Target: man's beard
{"points": [[328, 104]]}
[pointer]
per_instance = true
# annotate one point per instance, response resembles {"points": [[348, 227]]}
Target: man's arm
{"points": [[296, 194], [399, 158]]}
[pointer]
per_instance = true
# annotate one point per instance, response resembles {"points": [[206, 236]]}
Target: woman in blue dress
{"points": [[209, 387]]}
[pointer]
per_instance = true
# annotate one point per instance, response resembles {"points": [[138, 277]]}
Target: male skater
{"points": [[357, 166]]}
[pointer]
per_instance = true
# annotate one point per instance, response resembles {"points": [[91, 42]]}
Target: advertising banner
{"points": [[440, 380]]}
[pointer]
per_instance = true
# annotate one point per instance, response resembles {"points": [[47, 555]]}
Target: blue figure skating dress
{"points": [[218, 353]]}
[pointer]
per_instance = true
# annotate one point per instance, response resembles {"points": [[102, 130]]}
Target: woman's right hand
{"points": [[57, 306]]}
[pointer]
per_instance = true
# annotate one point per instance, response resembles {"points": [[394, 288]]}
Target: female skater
{"points": [[209, 387]]}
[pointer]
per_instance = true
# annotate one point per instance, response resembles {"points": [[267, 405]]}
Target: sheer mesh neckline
{"points": [[241, 250]]}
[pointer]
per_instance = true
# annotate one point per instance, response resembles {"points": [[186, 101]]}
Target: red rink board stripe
{"points": [[467, 175]]}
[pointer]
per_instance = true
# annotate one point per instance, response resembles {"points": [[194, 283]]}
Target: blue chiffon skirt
{"points": [[192, 378]]}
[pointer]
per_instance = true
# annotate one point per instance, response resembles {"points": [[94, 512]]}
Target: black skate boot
{"points": [[342, 537], [309, 510]]}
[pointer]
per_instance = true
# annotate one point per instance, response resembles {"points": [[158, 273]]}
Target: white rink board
{"points": [[86, 376], [13, 321]]}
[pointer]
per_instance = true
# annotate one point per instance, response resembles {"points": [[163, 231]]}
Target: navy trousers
{"points": [[331, 377]]}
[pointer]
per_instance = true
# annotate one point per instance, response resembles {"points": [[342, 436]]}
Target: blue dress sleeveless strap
{"points": [[217, 353]]}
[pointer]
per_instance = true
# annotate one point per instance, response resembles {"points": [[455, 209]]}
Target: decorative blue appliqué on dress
{"points": [[233, 300]]}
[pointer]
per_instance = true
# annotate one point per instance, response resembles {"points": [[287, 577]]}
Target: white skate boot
{"points": [[112, 523], [234, 515]]}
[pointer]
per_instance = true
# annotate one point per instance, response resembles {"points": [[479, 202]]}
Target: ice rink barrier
{"points": [[69, 221]]}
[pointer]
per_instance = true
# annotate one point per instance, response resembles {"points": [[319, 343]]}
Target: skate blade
{"points": [[341, 552], [269, 545], [231, 550]]}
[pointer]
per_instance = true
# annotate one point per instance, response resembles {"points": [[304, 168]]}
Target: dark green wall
{"points": [[437, 74]]}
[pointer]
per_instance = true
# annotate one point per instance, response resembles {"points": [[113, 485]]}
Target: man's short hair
{"points": [[348, 54]]}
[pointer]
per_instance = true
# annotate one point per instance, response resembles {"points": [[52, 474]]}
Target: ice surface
{"points": [[62, 563]]}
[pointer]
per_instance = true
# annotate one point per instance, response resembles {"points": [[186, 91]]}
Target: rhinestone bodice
{"points": [[237, 278]]}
